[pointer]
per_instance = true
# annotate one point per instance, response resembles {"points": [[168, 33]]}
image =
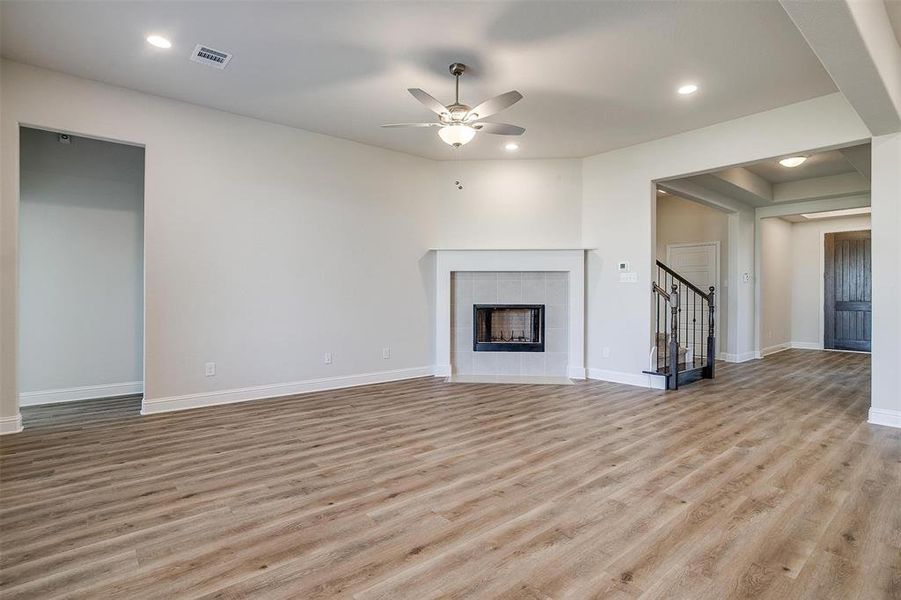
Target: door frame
{"points": [[719, 281], [821, 314], [15, 176]]}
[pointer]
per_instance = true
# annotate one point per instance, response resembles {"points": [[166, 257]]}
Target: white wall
{"points": [[261, 241], [886, 199], [618, 216], [807, 275], [509, 204], [776, 274], [681, 221], [81, 267]]}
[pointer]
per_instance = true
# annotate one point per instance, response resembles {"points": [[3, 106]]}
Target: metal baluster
{"points": [[711, 337], [674, 342], [694, 327]]}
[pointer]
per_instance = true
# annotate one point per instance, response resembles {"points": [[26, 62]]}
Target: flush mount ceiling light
{"points": [[664, 192], [845, 212], [511, 147], [158, 41], [458, 122], [792, 161], [688, 88]]}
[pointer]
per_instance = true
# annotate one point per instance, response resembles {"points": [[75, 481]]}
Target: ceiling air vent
{"points": [[207, 56]]}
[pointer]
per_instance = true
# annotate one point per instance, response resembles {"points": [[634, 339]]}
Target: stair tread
{"points": [[683, 367]]}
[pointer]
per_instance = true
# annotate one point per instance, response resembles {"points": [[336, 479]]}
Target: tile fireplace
{"points": [[514, 284]]}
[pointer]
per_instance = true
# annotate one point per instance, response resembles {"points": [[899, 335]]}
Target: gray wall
{"points": [[81, 265]]}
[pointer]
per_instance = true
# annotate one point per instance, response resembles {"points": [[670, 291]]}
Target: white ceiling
{"points": [[893, 8], [765, 182], [820, 164], [595, 75]]}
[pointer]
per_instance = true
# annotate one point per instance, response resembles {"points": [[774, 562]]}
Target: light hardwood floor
{"points": [[765, 483]]}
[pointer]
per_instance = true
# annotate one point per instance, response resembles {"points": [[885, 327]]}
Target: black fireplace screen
{"points": [[508, 327]]}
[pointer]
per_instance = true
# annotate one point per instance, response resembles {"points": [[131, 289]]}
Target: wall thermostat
{"points": [[623, 266]]}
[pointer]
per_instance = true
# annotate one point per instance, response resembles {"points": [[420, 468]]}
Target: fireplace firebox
{"points": [[508, 328]]}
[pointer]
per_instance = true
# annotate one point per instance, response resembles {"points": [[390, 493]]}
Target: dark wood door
{"points": [[849, 291]]}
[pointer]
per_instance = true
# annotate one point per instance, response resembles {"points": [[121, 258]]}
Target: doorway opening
{"points": [[81, 276], [777, 216]]}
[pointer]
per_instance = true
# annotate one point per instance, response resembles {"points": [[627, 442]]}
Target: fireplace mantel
{"points": [[567, 260]]}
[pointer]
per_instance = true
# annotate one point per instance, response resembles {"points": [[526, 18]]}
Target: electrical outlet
{"points": [[209, 369], [328, 358], [605, 352], [386, 353]]}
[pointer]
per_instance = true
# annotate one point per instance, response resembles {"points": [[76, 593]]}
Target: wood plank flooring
{"points": [[764, 483]]}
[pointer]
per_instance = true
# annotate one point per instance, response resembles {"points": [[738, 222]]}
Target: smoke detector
{"points": [[210, 57]]}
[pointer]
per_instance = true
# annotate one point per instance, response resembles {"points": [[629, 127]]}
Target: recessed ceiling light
{"points": [[688, 88], [158, 41], [845, 212], [511, 147], [792, 161]]}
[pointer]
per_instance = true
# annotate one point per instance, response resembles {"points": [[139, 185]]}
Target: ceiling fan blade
{"points": [[411, 125], [495, 105], [429, 102], [499, 128]]}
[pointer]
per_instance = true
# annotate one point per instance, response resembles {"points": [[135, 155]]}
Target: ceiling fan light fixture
{"points": [[458, 123], [456, 135]]}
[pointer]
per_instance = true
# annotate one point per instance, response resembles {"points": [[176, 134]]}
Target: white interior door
{"points": [[699, 264]]}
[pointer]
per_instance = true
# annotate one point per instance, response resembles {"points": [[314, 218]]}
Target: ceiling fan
{"points": [[458, 122]]}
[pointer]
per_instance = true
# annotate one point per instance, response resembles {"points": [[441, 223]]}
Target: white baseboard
{"points": [[188, 401], [81, 393], [443, 370], [807, 345], [885, 416], [11, 424], [740, 358], [644, 380], [776, 348], [575, 372]]}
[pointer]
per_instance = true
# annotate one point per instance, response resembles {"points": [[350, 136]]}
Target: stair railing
{"points": [[685, 322]]}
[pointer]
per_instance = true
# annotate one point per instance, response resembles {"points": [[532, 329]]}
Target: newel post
{"points": [[711, 338], [673, 380]]}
